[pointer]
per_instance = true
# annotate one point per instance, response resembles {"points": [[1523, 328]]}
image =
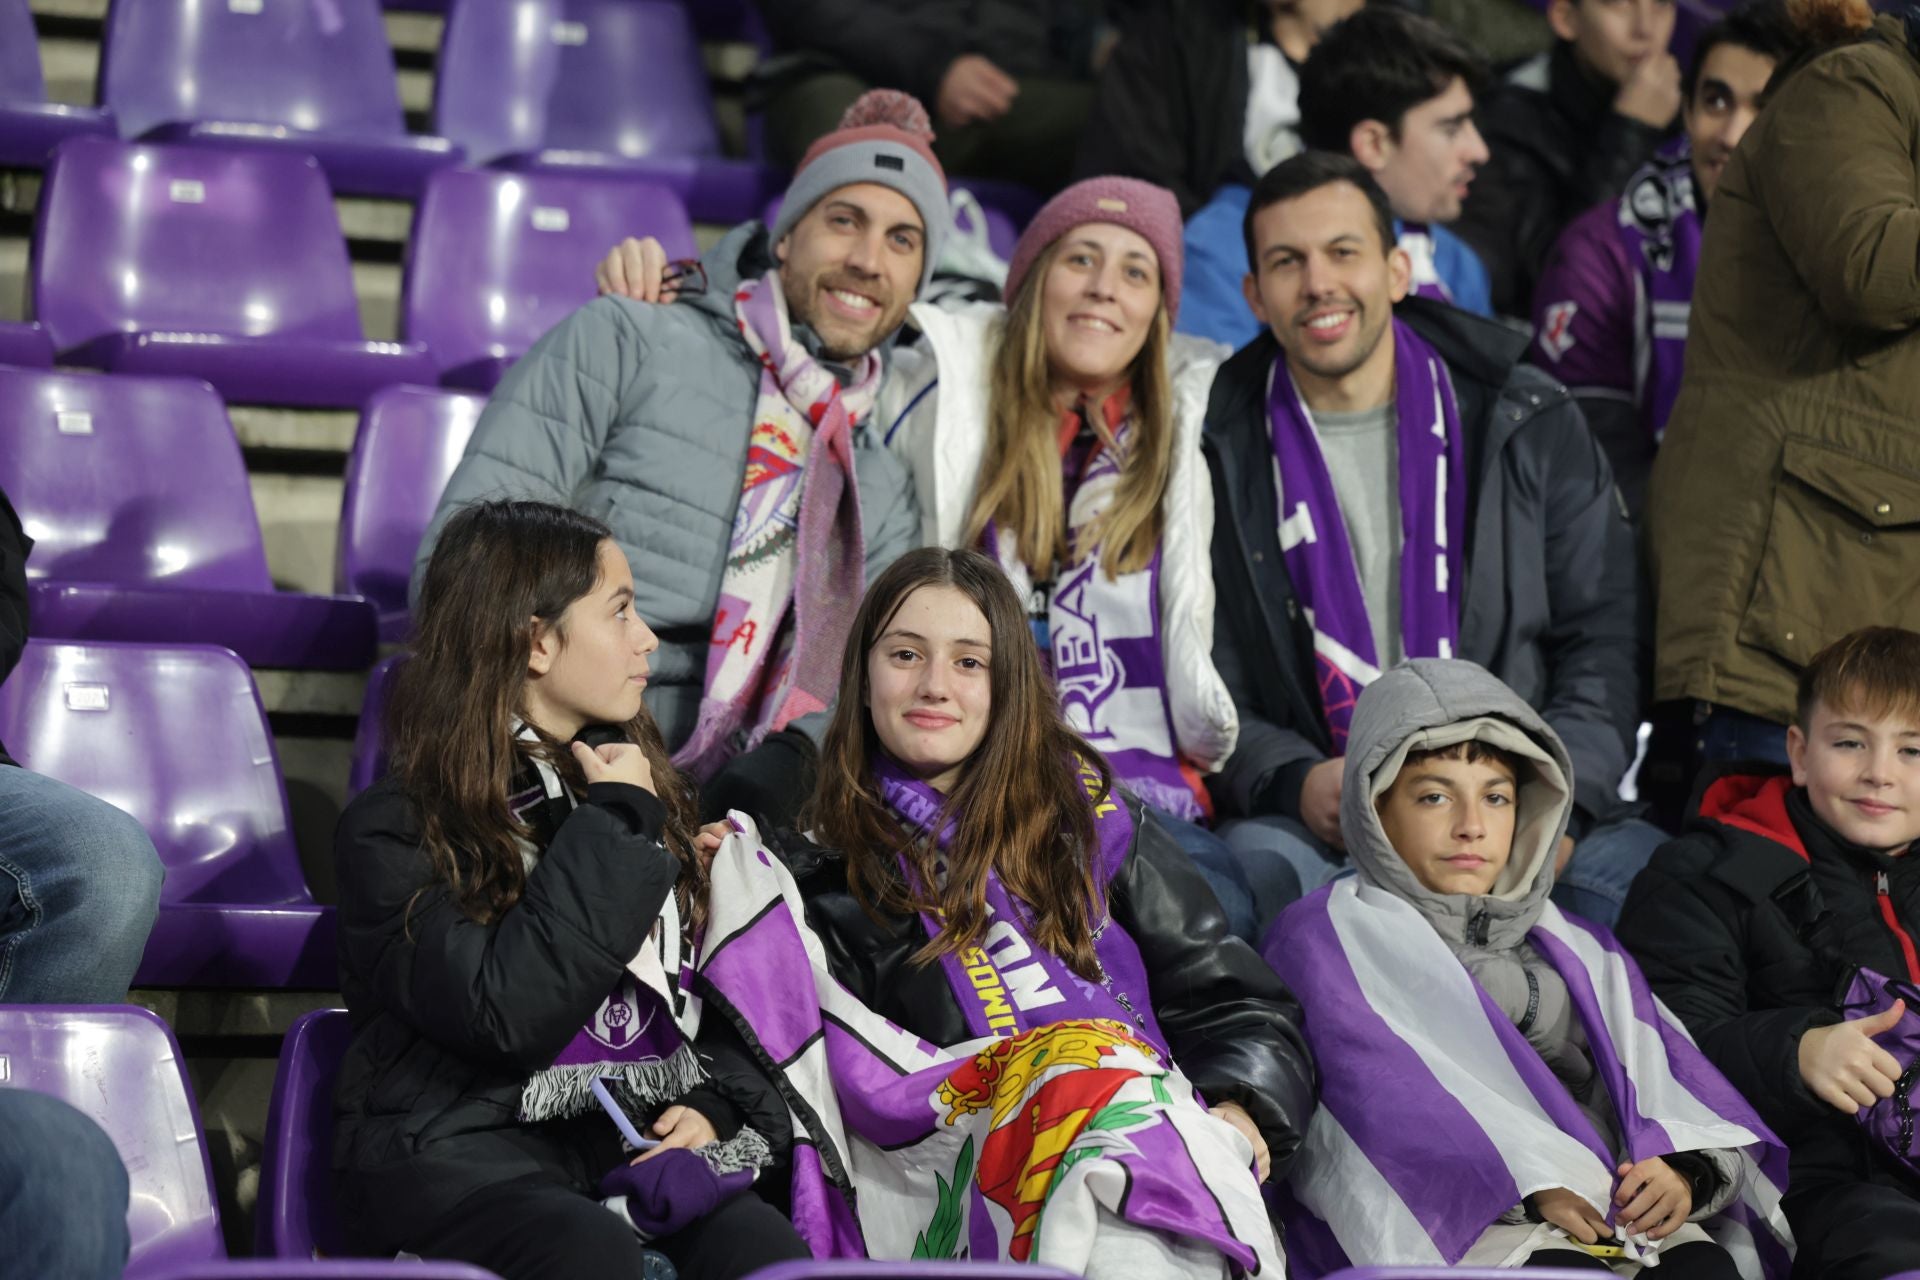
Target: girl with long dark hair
{"points": [[518, 901]]}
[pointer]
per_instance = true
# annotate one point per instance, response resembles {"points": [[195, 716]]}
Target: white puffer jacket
{"points": [[933, 413]]}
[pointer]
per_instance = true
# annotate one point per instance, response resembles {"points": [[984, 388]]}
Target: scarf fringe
{"points": [[640, 1087], [747, 1149]]}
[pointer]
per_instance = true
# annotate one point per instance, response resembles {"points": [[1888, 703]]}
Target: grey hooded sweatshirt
{"points": [[1430, 703]]}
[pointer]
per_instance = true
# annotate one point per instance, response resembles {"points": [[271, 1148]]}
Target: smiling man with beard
{"points": [[725, 441], [1391, 483]]}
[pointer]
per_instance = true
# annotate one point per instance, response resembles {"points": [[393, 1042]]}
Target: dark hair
{"points": [[1310, 171], [1472, 751], [1872, 671], [1379, 64], [497, 569], [1761, 26], [1021, 807]]}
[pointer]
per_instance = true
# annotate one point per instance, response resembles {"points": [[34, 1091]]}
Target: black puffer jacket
{"points": [[1748, 927], [1233, 1027], [1558, 148], [452, 1017], [14, 546]]}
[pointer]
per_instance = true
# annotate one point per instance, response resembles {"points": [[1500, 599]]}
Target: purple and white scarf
{"points": [[1417, 239], [1103, 641], [1009, 983], [1660, 225], [1408, 1072], [796, 559], [1072, 1142], [1313, 532]]}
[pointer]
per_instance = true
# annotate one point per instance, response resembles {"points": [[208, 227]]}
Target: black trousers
{"points": [[1701, 1260], [535, 1229], [1854, 1231]]}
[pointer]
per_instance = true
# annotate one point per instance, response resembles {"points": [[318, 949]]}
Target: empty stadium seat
{"points": [[369, 734], [496, 259], [25, 345], [136, 496], [409, 442], [592, 84], [175, 736], [295, 1215], [30, 126], [122, 1067], [316, 78], [220, 264], [322, 1269]]}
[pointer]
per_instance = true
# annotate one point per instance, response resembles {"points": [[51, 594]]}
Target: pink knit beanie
{"points": [[1126, 202]]}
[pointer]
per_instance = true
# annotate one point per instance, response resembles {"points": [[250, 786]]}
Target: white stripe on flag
{"points": [[1334, 1180]]}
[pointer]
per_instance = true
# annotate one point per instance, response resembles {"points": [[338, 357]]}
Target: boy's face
{"points": [[1862, 774], [1612, 37], [1452, 822], [1427, 169], [1727, 96]]}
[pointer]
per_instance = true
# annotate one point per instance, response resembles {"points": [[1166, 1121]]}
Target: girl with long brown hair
{"points": [[965, 839], [518, 900]]}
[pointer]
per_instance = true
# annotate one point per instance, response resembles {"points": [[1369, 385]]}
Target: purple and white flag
{"points": [[1433, 1122], [1074, 1143]]}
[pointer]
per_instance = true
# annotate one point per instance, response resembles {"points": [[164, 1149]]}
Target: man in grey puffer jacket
{"points": [[640, 415]]}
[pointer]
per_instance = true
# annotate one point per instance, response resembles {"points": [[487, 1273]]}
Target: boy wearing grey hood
{"points": [[1600, 1138]]}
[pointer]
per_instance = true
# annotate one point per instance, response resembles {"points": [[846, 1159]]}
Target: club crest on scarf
{"points": [[620, 1020]]}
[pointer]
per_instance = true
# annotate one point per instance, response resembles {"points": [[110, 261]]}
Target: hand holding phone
{"points": [[628, 1130]]}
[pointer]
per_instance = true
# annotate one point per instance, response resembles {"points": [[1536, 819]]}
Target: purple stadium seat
{"points": [[592, 84], [842, 1269], [496, 259], [295, 1216], [737, 21], [369, 743], [322, 1269], [122, 1067], [409, 442], [110, 719], [315, 78], [25, 346], [30, 126], [137, 498], [224, 265]]}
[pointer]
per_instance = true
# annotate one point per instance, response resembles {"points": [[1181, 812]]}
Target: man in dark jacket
{"points": [[1511, 551], [1567, 130], [79, 879], [1749, 927], [1008, 83]]}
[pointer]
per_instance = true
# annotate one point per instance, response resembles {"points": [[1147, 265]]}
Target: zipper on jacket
{"points": [[1477, 929], [1884, 891]]}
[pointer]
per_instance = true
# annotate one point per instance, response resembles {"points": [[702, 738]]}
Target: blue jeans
{"points": [[1216, 862], [79, 889], [63, 1191], [1283, 861], [1726, 736]]}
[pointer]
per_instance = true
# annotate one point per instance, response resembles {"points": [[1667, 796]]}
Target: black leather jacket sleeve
{"points": [[1233, 1026], [736, 1092], [14, 546], [511, 993]]}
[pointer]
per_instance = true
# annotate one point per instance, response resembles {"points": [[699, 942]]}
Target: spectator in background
{"points": [[63, 1191], [724, 439], [1610, 312], [1395, 91], [1567, 130], [1203, 94], [1009, 82], [1784, 502], [79, 879], [1502, 541]]}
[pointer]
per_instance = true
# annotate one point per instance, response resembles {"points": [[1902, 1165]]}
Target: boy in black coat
{"points": [[1751, 923]]}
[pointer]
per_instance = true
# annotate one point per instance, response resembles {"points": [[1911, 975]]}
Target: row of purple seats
{"points": [[235, 910], [136, 495], [543, 85], [229, 265]]}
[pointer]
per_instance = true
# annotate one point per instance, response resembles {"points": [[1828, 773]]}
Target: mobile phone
{"points": [[1606, 1248], [627, 1128]]}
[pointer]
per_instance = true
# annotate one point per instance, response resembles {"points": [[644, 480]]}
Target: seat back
{"points": [[624, 77], [409, 442], [144, 238], [369, 735], [497, 259], [174, 735], [122, 1067], [296, 1214], [323, 1269], [20, 77], [132, 481], [325, 68]]}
